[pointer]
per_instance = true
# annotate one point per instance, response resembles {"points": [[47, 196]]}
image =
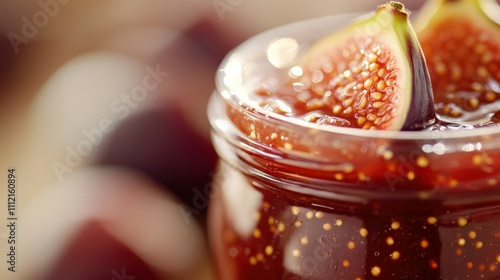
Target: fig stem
{"points": [[395, 7], [399, 6]]}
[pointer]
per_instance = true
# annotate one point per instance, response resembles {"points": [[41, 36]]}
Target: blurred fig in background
{"points": [[170, 141], [161, 144], [101, 223]]}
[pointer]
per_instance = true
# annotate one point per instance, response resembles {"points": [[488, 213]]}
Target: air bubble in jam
{"points": [[496, 117], [319, 118]]}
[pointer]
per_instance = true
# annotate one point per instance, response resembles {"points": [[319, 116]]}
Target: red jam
{"points": [[295, 200]]}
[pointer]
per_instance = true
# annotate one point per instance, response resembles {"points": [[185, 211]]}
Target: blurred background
{"points": [[103, 116]]}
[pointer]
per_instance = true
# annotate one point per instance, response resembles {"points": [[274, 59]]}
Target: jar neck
{"points": [[355, 170]]}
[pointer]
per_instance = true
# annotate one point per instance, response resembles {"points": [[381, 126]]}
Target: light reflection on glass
{"points": [[282, 52]]}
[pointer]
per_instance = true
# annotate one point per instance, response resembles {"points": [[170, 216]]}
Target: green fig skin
{"points": [[422, 103], [421, 111]]}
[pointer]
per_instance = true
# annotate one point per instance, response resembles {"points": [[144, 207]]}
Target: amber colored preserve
{"points": [[298, 200]]}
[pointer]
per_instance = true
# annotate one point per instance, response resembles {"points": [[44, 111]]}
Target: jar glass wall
{"points": [[293, 200]]}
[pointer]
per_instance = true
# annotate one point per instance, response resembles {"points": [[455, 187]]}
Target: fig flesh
{"points": [[371, 75], [461, 42]]}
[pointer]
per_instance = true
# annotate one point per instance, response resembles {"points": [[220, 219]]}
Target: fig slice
{"points": [[371, 74], [461, 42]]}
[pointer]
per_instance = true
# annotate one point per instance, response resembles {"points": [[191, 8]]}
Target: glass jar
{"points": [[293, 200]]}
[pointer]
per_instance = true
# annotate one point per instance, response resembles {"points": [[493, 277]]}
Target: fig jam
{"points": [[299, 200]]}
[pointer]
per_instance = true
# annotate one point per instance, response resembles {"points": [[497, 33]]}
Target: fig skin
{"points": [[422, 111], [412, 106]]}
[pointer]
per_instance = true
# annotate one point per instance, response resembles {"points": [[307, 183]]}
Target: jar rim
{"points": [[273, 166]]}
